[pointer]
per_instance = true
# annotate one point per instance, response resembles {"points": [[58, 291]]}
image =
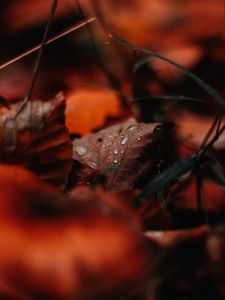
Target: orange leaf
{"points": [[87, 109]]}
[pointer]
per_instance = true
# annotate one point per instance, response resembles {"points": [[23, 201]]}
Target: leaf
{"points": [[53, 246], [186, 124], [34, 135], [184, 199], [121, 153], [88, 108]]}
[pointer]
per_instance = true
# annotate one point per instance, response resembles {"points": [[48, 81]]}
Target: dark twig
{"points": [[49, 41], [40, 54]]}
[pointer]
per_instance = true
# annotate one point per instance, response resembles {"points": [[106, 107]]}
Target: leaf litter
{"points": [[54, 243]]}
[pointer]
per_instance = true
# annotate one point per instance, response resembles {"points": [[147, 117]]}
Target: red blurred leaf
{"points": [[52, 247]]}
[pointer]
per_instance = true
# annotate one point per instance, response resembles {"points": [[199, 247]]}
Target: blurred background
{"points": [[189, 32]]}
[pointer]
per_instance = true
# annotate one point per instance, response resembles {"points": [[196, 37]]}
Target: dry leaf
{"points": [[35, 136], [53, 247], [122, 152]]}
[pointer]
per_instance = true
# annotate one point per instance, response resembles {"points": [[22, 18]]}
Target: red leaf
{"points": [[121, 152], [53, 247]]}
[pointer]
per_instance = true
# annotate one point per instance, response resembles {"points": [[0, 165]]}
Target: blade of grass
{"points": [[208, 89], [170, 175]]}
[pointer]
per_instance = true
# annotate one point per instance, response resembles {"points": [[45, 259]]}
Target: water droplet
{"points": [[138, 138], [132, 128], [116, 151], [94, 165], [115, 161], [121, 151], [124, 140], [81, 150]]}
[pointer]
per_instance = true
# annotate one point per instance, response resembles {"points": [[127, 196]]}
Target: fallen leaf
{"points": [[186, 198], [53, 246], [35, 135], [87, 109], [122, 152], [186, 125]]}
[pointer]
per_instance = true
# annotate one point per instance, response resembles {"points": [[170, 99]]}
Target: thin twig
{"points": [[49, 41], [40, 54]]}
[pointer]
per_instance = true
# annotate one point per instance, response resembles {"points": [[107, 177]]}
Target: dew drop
{"points": [[81, 150], [121, 151], [93, 164], [115, 161], [132, 128], [138, 138], [124, 140], [116, 151]]}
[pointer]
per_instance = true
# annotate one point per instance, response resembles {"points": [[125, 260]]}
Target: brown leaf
{"points": [[122, 152], [53, 247], [34, 135]]}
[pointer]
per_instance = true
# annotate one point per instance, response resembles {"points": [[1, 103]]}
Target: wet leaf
{"points": [[121, 152]]}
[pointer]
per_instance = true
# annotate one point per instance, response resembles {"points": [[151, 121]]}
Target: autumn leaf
{"points": [[88, 109], [121, 152], [186, 124], [53, 246], [183, 197], [34, 135]]}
